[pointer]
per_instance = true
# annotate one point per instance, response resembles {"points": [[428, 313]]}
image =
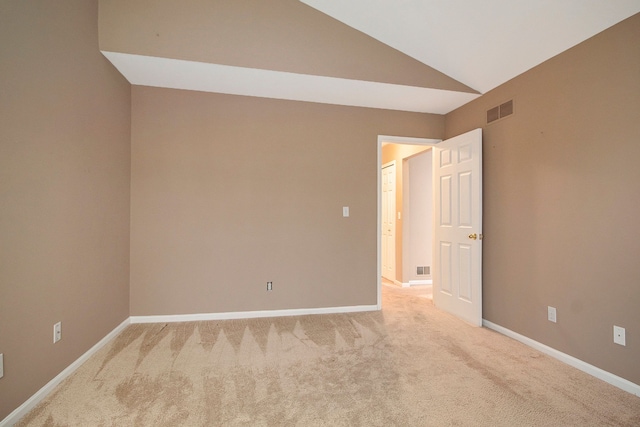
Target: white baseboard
{"points": [[250, 314], [23, 409], [608, 377], [419, 282]]}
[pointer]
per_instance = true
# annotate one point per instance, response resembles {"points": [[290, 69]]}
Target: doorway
{"points": [[391, 213], [457, 224]]}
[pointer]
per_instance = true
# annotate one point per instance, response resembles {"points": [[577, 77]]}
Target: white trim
{"points": [[419, 282], [23, 409], [250, 314], [394, 272], [407, 140], [379, 225], [608, 377]]}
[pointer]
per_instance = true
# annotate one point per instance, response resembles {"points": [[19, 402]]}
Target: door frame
{"points": [[392, 140], [393, 217]]}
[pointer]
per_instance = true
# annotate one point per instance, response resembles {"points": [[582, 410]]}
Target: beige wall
{"points": [[400, 152], [561, 200], [280, 35], [230, 192], [417, 216], [64, 191]]}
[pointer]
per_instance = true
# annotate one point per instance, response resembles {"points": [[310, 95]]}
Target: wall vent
{"points": [[493, 114], [503, 110], [421, 271]]}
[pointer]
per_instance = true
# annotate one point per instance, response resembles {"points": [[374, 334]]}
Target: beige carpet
{"points": [[408, 365]]}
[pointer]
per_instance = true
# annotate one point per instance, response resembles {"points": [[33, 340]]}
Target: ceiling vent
{"points": [[499, 112]]}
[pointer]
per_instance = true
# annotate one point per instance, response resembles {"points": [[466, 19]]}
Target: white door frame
{"points": [[392, 220], [391, 140]]}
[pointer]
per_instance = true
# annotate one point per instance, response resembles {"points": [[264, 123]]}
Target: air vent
{"points": [[503, 110], [493, 114], [421, 271], [506, 109]]}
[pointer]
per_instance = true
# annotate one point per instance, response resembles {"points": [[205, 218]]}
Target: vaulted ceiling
{"points": [[412, 55]]}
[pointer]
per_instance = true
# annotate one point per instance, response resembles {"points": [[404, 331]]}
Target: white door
{"points": [[388, 221], [457, 249]]}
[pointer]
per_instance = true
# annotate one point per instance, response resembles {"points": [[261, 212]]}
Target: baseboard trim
{"points": [[250, 314], [23, 409], [608, 377], [419, 282]]}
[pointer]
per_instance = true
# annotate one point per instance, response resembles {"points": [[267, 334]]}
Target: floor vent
{"points": [[499, 112]]}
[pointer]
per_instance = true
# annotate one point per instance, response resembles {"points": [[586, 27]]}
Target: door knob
{"points": [[473, 236]]}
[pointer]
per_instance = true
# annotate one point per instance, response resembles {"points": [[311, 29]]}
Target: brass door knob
{"points": [[473, 236]]}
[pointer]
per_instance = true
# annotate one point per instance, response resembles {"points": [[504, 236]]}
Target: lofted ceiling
{"points": [[480, 43], [477, 44]]}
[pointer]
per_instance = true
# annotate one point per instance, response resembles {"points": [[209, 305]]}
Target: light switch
{"points": [[345, 211]]}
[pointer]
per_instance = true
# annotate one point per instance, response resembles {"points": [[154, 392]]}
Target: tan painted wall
{"points": [[561, 200], [417, 216], [64, 191], [399, 152], [230, 192], [280, 35]]}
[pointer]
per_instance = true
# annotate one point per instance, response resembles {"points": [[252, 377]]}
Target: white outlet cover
{"points": [[619, 335], [57, 332], [1, 365], [345, 211], [551, 314]]}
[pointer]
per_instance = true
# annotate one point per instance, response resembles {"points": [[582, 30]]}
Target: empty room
{"points": [[204, 220]]}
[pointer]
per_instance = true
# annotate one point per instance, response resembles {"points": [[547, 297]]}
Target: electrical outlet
{"points": [[1, 365], [269, 286], [57, 332], [551, 314], [619, 335]]}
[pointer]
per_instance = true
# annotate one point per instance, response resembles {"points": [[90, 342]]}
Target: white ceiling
{"points": [[190, 75], [481, 43]]}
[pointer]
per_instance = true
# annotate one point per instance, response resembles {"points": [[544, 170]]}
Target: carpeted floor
{"points": [[409, 365]]}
